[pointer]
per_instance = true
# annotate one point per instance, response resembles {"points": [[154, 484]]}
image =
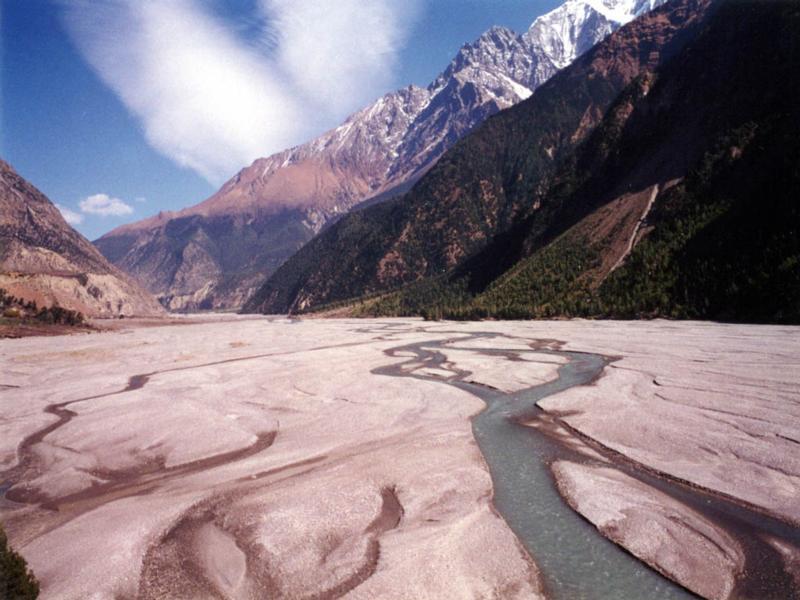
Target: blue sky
{"points": [[117, 109]]}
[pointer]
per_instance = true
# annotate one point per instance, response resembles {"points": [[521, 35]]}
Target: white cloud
{"points": [[105, 206], [70, 216], [333, 50], [214, 102]]}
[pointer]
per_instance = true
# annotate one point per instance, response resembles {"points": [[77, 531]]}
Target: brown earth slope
{"points": [[42, 258]]}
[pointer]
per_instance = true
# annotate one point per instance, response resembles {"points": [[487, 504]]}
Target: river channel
{"points": [[575, 560]]}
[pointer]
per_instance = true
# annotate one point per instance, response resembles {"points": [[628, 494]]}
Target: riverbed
{"points": [[226, 457]]}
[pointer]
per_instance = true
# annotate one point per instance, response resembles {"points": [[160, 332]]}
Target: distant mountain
{"points": [[215, 254], [43, 259], [657, 175]]}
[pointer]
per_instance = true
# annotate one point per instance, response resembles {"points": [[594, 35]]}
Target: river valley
{"points": [[226, 456]]}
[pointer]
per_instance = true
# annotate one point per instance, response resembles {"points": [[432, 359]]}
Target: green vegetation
{"points": [[16, 580], [429, 298], [546, 285], [12, 307], [727, 244], [549, 284], [721, 249]]}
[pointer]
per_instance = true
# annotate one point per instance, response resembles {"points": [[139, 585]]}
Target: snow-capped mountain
{"points": [[212, 255], [562, 35]]}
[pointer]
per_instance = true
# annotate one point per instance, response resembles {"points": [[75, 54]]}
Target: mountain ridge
{"points": [[661, 209], [279, 202]]}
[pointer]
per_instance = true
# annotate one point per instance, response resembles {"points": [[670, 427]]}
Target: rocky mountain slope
{"points": [[655, 176], [683, 201], [215, 254], [485, 185], [43, 259]]}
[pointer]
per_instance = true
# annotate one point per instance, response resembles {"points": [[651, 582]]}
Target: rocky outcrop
{"points": [[43, 259], [243, 233]]}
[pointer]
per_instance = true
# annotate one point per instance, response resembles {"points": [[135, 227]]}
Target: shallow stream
{"points": [[575, 560]]}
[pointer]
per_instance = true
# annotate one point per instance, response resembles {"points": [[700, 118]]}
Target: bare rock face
{"points": [[43, 259], [646, 522], [239, 236]]}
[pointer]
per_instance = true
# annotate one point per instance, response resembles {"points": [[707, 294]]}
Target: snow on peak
{"points": [[568, 31], [407, 129]]}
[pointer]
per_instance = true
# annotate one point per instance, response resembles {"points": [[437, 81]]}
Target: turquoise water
{"points": [[575, 560]]}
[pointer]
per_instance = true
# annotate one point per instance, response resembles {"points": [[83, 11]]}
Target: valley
{"points": [[224, 455], [216, 254], [527, 332]]}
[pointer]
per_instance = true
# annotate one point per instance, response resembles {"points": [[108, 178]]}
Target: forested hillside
{"points": [[680, 202]]}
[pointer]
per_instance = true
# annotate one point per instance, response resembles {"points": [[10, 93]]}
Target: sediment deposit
{"points": [[232, 456]]}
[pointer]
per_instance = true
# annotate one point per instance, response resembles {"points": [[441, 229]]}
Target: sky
{"points": [[119, 109]]}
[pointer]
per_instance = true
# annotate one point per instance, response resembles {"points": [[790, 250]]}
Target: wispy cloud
{"points": [[339, 54], [214, 101], [105, 206], [70, 216]]}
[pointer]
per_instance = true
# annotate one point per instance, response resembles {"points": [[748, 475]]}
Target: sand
{"points": [[255, 456], [226, 456], [648, 522], [714, 405]]}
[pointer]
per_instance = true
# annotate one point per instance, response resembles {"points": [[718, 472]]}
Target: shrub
{"points": [[16, 580]]}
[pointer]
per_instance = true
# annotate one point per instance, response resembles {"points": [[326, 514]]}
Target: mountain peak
{"points": [[495, 32], [377, 152], [568, 31]]}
